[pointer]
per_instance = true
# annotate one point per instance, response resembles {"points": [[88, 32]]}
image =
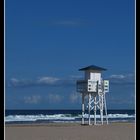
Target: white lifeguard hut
{"points": [[95, 88]]}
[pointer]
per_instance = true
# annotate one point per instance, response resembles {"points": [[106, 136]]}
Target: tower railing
{"points": [[81, 85], [86, 86]]}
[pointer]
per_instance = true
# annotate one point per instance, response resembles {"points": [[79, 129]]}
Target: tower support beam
{"points": [[83, 108], [105, 109], [89, 108], [95, 110]]}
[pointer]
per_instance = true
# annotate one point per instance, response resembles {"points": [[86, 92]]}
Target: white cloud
{"points": [[71, 22], [70, 81], [19, 82], [120, 76], [76, 77], [120, 101], [34, 99], [14, 82], [47, 80], [74, 97], [54, 98]]}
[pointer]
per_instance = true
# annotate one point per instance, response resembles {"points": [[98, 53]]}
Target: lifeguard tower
{"points": [[95, 88]]}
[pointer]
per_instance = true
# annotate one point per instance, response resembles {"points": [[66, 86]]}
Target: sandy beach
{"points": [[112, 131]]}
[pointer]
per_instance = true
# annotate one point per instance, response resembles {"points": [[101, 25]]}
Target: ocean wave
{"points": [[62, 117]]}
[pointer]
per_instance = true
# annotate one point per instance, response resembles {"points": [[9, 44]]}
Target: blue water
{"points": [[41, 116]]}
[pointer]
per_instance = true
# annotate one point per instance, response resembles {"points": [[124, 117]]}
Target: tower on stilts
{"points": [[94, 88]]}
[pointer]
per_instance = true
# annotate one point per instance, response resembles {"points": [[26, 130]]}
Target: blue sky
{"points": [[47, 41]]}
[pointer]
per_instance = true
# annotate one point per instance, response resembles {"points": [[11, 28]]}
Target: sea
{"points": [[63, 116]]}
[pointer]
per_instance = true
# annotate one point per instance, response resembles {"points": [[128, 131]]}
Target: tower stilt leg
{"points": [[105, 109], [94, 110], [89, 107], [83, 109], [102, 105]]}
